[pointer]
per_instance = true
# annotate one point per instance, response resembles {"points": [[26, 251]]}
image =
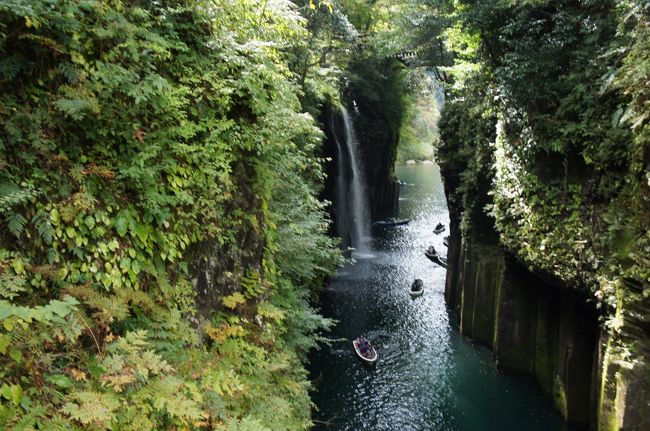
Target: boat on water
{"points": [[391, 221], [445, 241], [434, 257], [439, 228], [371, 355], [417, 288]]}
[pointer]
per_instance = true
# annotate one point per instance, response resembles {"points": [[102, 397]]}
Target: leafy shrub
{"points": [[131, 134]]}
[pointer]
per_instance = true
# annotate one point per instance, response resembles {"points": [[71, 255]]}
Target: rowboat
{"points": [[391, 222], [439, 229], [372, 353], [431, 253], [417, 288], [445, 241], [434, 257]]}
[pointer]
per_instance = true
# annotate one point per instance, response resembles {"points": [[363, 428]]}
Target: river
{"points": [[428, 376]]}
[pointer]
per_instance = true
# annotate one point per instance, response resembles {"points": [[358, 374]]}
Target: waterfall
{"points": [[342, 197], [355, 194]]}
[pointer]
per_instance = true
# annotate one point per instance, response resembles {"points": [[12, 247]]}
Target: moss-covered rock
{"points": [[549, 149]]}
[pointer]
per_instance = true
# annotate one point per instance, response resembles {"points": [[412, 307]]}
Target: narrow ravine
{"points": [[183, 183], [428, 376]]}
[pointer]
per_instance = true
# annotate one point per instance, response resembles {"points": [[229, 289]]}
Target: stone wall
{"points": [[533, 327], [622, 394]]}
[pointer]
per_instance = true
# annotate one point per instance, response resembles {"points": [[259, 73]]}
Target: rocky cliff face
{"points": [[217, 269], [382, 188], [533, 326], [533, 297], [378, 128], [374, 101]]}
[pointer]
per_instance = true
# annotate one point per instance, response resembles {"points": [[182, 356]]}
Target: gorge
{"points": [[187, 192]]}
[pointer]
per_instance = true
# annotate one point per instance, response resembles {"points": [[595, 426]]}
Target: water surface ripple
{"points": [[428, 377]]}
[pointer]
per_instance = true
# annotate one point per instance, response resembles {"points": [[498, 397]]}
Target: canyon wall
{"points": [[374, 100], [532, 284], [534, 326]]}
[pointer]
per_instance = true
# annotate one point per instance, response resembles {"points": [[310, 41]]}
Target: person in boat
{"points": [[417, 285], [432, 251], [362, 341], [364, 345], [439, 226]]}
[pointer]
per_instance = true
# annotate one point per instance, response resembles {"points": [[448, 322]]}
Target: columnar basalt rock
{"points": [[535, 324], [533, 327], [550, 252]]}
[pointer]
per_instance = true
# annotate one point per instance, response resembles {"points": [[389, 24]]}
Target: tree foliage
{"points": [[133, 133], [419, 133]]}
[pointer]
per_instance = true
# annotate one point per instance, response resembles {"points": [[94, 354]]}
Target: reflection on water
{"points": [[428, 377]]}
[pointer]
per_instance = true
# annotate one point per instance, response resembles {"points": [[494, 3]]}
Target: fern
{"points": [[130, 363], [15, 223], [10, 67], [247, 424], [70, 72], [94, 408], [43, 226], [77, 108], [12, 196], [175, 397], [11, 286]]}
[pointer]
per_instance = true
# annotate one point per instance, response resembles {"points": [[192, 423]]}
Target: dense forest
{"points": [[163, 231]]}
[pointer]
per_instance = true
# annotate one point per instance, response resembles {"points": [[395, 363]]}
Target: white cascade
{"points": [[358, 201]]}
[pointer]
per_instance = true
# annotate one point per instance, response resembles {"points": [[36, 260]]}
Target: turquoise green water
{"points": [[428, 376]]}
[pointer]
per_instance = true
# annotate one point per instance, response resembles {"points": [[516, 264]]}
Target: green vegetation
{"points": [[570, 193], [139, 143], [419, 134], [160, 228], [162, 236]]}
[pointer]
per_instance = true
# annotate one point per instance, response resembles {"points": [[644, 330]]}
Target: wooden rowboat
{"points": [[372, 355], [419, 289], [434, 257]]}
